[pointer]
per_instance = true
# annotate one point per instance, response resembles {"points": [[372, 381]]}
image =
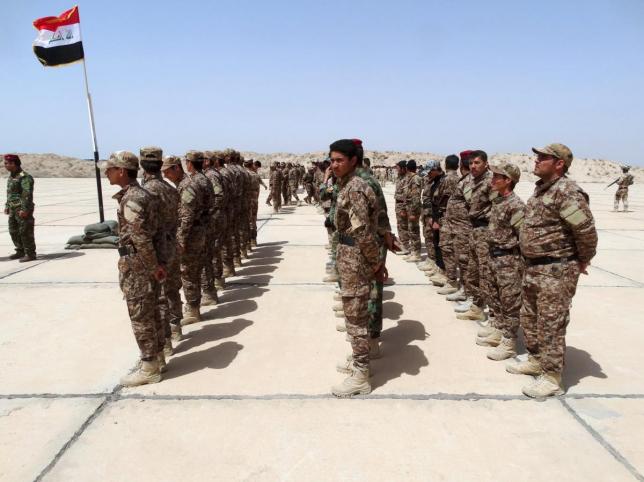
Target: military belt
{"points": [[346, 240], [126, 250], [497, 252], [549, 260], [480, 223]]}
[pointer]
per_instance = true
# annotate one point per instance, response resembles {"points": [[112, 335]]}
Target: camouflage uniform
{"points": [[479, 196], [20, 197], [621, 194], [358, 253], [293, 183], [427, 217], [138, 233], [253, 205], [401, 221], [167, 211], [413, 207], [440, 191], [447, 227], [506, 263], [286, 195], [461, 228], [557, 234], [231, 244], [213, 267], [308, 180], [275, 183]]}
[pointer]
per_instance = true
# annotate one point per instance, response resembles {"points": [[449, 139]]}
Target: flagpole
{"points": [[96, 157]]}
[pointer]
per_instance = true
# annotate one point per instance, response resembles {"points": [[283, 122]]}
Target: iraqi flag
{"points": [[59, 39]]}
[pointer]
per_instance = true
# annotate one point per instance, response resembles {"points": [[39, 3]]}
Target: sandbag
{"points": [[106, 240], [78, 239]]}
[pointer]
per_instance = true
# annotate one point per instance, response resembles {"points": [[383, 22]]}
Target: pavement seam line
{"points": [[603, 442]]}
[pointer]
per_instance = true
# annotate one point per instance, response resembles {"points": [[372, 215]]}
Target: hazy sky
{"points": [[274, 76]]}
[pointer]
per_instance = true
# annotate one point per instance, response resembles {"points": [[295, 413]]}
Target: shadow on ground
{"points": [[208, 333], [398, 356], [216, 357], [579, 365]]}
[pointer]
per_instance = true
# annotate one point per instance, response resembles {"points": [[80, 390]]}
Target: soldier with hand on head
{"points": [[20, 209]]}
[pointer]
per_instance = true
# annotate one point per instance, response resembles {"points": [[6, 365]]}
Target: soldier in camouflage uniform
{"points": [[413, 210], [293, 184], [358, 259], [558, 239], [228, 248], [426, 217], [275, 183], [20, 209], [253, 200], [286, 172], [139, 268], [400, 199], [308, 179], [625, 180], [167, 211], [479, 196], [506, 263]]}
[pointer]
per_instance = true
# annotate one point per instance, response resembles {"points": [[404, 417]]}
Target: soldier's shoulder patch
{"points": [[188, 194], [517, 219], [493, 195], [132, 210], [573, 214]]}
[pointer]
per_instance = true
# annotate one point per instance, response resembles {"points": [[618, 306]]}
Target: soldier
{"points": [[430, 263], [625, 180], [307, 179], [479, 196], [413, 210], [230, 246], [400, 199], [194, 219], [139, 269], [558, 240], [166, 213], [439, 194], [506, 264], [275, 183], [20, 209], [293, 183], [358, 259], [253, 205], [286, 172]]}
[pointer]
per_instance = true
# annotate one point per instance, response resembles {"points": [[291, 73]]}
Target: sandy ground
{"points": [[247, 397]]}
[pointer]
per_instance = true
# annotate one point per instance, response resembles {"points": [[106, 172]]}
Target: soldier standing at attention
{"points": [[166, 214], [401, 214], [413, 210], [358, 259], [558, 240], [20, 209], [625, 180], [506, 264], [275, 183], [139, 269]]}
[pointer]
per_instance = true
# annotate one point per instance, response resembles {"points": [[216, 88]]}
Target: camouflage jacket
{"points": [[167, 214], [383, 225], [457, 211], [399, 192], [20, 192], [558, 222], [308, 177], [413, 190], [479, 196], [442, 193], [328, 192], [625, 180], [194, 207], [356, 215], [275, 180], [506, 218], [255, 181], [426, 197], [138, 226], [293, 177], [219, 193], [232, 189]]}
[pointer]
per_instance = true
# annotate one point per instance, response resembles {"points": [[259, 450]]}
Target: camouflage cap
{"points": [[508, 170], [151, 153], [170, 161], [432, 165], [557, 150], [209, 155], [122, 159], [194, 156]]}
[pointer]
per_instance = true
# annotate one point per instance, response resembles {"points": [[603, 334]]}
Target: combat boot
{"points": [[458, 296], [341, 327], [464, 306], [486, 330], [147, 372], [163, 367], [530, 366], [253, 243], [547, 385], [427, 266], [339, 314], [27, 258], [493, 339], [275, 210], [228, 272], [357, 383], [209, 298], [475, 313], [167, 348], [403, 251], [338, 307], [220, 284], [448, 289], [439, 278], [17, 255], [337, 297], [506, 349], [414, 258], [177, 334], [331, 278], [244, 253], [237, 262], [190, 315]]}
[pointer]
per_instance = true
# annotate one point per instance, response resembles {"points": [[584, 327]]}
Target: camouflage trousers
{"points": [[252, 214], [277, 198], [192, 260], [429, 237], [227, 250], [621, 195], [170, 304], [243, 227], [413, 229], [292, 189], [375, 301], [286, 195], [462, 253], [22, 232], [310, 192], [478, 275], [506, 278], [546, 297], [211, 255], [402, 226], [446, 244], [141, 293], [356, 313]]}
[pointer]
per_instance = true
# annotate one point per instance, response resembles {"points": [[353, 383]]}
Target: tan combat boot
{"points": [[331, 278], [439, 278], [190, 315], [448, 289], [339, 314], [493, 339], [337, 297], [475, 313], [428, 265], [357, 383], [209, 298], [485, 330], [147, 372], [220, 284], [177, 334], [341, 327], [167, 348], [458, 296], [413, 257], [338, 307], [162, 364], [403, 252], [547, 385], [529, 367], [244, 253], [228, 272], [253, 243], [506, 349], [237, 262]]}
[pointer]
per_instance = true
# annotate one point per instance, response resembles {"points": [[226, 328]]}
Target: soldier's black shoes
{"points": [[17, 255], [27, 258]]}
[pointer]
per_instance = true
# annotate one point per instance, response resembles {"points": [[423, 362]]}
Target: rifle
{"points": [[611, 183]]}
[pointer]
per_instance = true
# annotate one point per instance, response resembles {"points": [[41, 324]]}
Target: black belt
{"points": [[549, 260], [497, 252], [346, 240], [480, 223], [126, 250]]}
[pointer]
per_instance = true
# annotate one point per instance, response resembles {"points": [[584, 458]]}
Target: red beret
{"points": [[11, 158], [465, 154], [357, 142]]}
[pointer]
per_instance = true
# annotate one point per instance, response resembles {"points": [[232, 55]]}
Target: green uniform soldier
{"points": [[20, 209]]}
